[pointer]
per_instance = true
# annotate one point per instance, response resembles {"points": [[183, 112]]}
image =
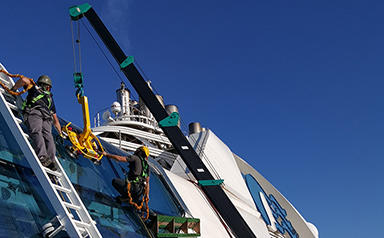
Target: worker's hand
{"points": [[104, 153], [63, 135]]}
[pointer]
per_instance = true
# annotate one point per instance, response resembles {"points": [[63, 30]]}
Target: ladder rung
{"points": [[81, 224], [57, 174], [70, 205], [12, 106], [26, 135], [2, 90], [18, 120], [60, 188], [4, 81]]}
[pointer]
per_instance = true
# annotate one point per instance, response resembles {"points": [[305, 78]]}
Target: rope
{"points": [[212, 206], [145, 198], [73, 48], [78, 42], [102, 51], [105, 56], [199, 148], [16, 76]]}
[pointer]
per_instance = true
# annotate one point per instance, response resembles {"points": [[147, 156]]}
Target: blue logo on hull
{"points": [[282, 224]]}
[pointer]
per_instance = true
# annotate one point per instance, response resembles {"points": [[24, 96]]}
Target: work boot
{"points": [[53, 166], [45, 161]]}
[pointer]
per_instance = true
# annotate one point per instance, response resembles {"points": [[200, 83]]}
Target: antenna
{"points": [[115, 108]]}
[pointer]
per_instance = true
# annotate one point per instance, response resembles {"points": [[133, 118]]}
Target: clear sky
{"points": [[293, 87]]}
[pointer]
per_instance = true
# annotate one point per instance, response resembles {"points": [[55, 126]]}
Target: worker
{"points": [[138, 174], [39, 112]]}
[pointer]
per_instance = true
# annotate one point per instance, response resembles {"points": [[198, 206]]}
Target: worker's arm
{"points": [[23, 82], [56, 123], [115, 157]]}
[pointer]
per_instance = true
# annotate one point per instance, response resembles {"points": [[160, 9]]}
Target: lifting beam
{"points": [[85, 143]]}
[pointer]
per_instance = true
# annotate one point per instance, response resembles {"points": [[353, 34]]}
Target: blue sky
{"points": [[293, 87]]}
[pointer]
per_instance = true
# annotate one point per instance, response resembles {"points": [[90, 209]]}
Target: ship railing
{"points": [[105, 116]]}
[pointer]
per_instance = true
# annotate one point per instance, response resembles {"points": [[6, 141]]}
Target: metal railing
{"points": [[99, 120]]}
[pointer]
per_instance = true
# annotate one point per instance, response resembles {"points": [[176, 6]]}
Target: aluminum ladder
{"points": [[71, 212]]}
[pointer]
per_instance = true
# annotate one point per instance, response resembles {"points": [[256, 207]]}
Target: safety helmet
{"points": [[144, 149], [44, 79]]}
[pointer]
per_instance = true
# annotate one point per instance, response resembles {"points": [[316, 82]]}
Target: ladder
{"points": [[169, 226], [72, 215]]}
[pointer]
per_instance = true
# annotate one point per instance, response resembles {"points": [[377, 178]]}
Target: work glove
{"points": [[63, 135]]}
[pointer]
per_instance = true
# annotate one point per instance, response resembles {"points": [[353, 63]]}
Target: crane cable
{"points": [[74, 47], [16, 76], [146, 192]]}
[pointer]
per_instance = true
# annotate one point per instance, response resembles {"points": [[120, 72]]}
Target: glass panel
{"points": [[9, 148], [26, 208], [94, 184]]}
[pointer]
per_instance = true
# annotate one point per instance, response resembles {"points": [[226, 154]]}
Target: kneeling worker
{"points": [[138, 175]]}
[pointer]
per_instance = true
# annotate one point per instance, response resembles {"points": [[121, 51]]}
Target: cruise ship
{"points": [[78, 200]]}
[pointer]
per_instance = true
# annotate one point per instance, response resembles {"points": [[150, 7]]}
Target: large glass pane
{"points": [[94, 184], [23, 206], [9, 148], [26, 207]]}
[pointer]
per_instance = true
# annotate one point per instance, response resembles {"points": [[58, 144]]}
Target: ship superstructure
{"points": [[198, 186], [127, 125]]}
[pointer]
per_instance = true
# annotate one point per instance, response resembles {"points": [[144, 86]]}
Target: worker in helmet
{"points": [[39, 112], [138, 174]]}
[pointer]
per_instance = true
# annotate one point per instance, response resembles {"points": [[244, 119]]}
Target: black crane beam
{"points": [[215, 193]]}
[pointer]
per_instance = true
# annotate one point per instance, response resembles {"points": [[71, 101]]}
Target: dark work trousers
{"points": [[136, 189], [40, 129]]}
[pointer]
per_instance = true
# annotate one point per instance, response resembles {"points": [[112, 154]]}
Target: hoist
{"points": [[85, 143]]}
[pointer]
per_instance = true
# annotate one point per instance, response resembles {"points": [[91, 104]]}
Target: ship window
{"points": [[9, 148], [94, 184], [23, 206], [124, 137]]}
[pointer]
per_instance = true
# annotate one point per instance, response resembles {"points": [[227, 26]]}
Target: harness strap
{"points": [[37, 98]]}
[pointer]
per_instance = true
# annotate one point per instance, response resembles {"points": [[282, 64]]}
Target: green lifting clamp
{"points": [[129, 60], [76, 12], [171, 120], [210, 182]]}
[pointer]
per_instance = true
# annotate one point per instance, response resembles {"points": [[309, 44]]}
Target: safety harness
{"points": [[144, 173], [143, 177], [30, 103]]}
